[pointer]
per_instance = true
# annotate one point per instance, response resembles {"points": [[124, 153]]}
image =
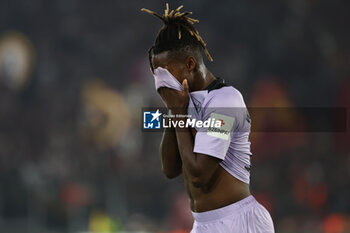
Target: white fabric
{"points": [[245, 216]]}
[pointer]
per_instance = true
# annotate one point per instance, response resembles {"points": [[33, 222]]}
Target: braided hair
{"points": [[177, 32]]}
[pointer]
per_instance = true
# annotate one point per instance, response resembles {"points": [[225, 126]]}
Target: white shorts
{"points": [[244, 216]]}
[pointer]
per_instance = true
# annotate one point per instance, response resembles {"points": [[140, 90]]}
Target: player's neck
{"points": [[204, 78]]}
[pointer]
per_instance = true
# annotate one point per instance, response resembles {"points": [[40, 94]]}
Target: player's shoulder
{"points": [[226, 96]]}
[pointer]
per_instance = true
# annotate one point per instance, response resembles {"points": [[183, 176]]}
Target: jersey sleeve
{"points": [[216, 139]]}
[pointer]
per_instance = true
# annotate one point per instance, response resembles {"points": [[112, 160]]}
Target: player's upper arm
{"points": [[206, 167], [215, 141], [211, 145]]}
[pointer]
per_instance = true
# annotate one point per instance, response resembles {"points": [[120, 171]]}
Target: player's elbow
{"points": [[171, 174]]}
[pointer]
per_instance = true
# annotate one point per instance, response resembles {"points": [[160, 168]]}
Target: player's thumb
{"points": [[185, 85]]}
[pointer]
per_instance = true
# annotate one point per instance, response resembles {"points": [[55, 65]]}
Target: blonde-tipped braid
{"points": [[187, 23]]}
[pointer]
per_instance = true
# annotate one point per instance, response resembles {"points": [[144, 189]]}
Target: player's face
{"points": [[180, 69]]}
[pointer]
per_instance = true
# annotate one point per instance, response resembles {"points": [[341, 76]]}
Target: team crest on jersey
{"points": [[197, 104]]}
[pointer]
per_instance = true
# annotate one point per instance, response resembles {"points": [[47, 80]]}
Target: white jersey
{"points": [[230, 141]]}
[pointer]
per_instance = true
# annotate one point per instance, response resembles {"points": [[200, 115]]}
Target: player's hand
{"points": [[176, 101]]}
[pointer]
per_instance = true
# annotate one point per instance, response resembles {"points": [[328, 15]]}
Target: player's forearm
{"points": [[185, 141], [169, 154], [199, 168]]}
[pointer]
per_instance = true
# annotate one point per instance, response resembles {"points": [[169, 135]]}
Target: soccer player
{"points": [[215, 163]]}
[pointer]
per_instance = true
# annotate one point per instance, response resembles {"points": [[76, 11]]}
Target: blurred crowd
{"points": [[74, 77]]}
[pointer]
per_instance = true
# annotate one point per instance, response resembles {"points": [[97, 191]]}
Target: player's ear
{"points": [[190, 63]]}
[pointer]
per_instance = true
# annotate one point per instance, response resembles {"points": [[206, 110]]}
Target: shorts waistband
{"points": [[225, 211]]}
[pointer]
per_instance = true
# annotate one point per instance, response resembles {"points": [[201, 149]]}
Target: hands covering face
{"points": [[174, 94], [176, 101]]}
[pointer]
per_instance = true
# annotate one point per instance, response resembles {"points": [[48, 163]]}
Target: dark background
{"points": [[73, 157]]}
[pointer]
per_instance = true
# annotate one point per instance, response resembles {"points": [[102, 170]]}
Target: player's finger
{"points": [[185, 85]]}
